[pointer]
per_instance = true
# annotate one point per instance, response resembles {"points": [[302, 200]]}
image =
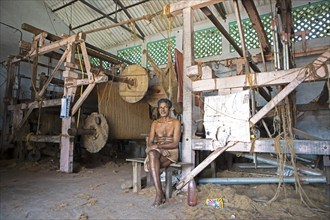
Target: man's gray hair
{"points": [[167, 101]]}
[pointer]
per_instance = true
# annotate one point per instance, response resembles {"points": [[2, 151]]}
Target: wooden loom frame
{"points": [[226, 86]]}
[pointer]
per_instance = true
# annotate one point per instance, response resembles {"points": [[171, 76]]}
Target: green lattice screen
{"points": [[207, 43], [94, 61], [313, 17], [106, 65], [132, 54], [97, 62], [251, 37], [158, 51]]}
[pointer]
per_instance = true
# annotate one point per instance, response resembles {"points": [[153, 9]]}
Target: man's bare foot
{"points": [[159, 200]]}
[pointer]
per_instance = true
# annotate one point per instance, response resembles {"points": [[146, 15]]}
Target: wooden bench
{"points": [[136, 163]]}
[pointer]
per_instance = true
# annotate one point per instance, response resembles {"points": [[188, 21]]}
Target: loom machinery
{"points": [[118, 108], [123, 107]]}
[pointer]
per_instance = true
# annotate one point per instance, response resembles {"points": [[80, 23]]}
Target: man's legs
{"points": [[157, 161]]}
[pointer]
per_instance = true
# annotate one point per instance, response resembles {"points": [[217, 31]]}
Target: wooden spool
{"points": [[94, 143], [134, 93]]}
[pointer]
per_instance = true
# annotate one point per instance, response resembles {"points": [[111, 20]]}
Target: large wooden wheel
{"points": [[94, 143], [134, 93]]}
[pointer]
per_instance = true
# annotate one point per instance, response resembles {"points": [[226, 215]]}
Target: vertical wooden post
{"points": [[168, 186], [35, 45], [67, 141], [136, 176], [188, 155], [247, 57], [17, 118], [241, 35], [8, 100]]}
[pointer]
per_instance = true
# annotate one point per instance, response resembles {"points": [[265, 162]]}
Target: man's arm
{"points": [[151, 138]]}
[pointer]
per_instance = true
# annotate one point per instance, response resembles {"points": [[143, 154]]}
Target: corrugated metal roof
{"points": [[80, 17]]}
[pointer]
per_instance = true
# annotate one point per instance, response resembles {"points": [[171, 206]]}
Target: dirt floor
{"points": [[36, 190]]}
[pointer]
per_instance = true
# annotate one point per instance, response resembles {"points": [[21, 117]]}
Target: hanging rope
{"points": [[133, 28], [286, 134]]}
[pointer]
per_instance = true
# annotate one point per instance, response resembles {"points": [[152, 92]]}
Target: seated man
{"points": [[162, 146]]}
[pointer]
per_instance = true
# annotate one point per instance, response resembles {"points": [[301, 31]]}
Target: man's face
{"points": [[163, 109]]}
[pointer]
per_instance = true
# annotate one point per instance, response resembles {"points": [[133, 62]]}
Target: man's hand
{"points": [[165, 153], [152, 147]]}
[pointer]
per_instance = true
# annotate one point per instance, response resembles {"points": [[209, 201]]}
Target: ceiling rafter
{"points": [[64, 6], [129, 16], [113, 20], [224, 32], [107, 15], [253, 14], [221, 10]]}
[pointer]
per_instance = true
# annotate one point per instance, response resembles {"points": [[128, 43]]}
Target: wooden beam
{"points": [[246, 54], [45, 103], [67, 141], [52, 75], [129, 21], [37, 31], [188, 155], [92, 50], [305, 134], [45, 138], [186, 179], [66, 154], [177, 8], [262, 79], [130, 17], [297, 53], [107, 15], [256, 23], [266, 145], [99, 79], [221, 10], [317, 64], [277, 99], [86, 62], [225, 33], [82, 98], [63, 6], [111, 19], [136, 176], [56, 45]]}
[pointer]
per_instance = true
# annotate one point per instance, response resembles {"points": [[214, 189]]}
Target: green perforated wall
{"points": [[314, 17], [133, 54], [207, 43], [94, 61], [158, 51], [106, 65], [251, 37]]}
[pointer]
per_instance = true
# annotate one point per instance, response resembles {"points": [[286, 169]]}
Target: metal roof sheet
{"points": [[81, 17]]}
